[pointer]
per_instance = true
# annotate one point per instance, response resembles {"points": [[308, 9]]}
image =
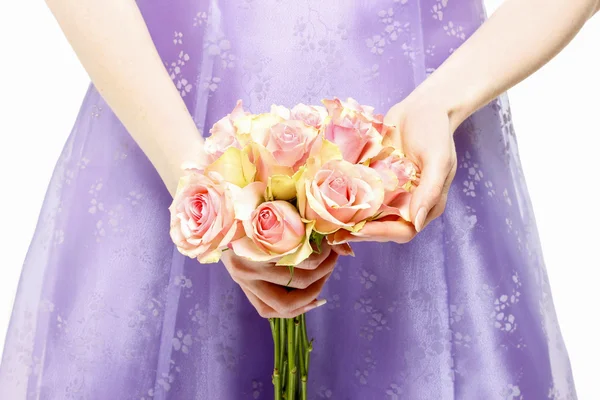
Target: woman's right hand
{"points": [[264, 283]]}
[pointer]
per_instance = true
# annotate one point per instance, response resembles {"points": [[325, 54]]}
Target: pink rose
{"points": [[223, 134], [289, 141], [202, 216], [367, 111], [396, 171], [339, 195], [273, 230], [398, 175], [355, 129], [311, 115]]}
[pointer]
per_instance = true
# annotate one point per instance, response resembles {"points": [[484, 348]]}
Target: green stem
{"points": [[291, 358], [290, 390], [308, 351], [304, 389], [284, 378], [307, 345], [304, 333], [281, 343], [297, 352], [275, 332], [276, 372], [302, 348]]}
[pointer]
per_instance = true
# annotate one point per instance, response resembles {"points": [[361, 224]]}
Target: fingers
{"points": [[263, 310], [398, 231], [316, 267], [439, 208], [268, 312], [343, 249], [270, 298], [280, 302], [301, 278], [315, 259], [433, 188]]}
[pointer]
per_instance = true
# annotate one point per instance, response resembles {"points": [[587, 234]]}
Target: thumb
{"points": [[343, 249], [430, 190], [394, 121]]}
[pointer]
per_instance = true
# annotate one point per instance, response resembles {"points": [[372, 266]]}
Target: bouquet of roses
{"points": [[279, 183]]}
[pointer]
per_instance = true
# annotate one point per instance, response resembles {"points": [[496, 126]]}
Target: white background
{"points": [[556, 116]]}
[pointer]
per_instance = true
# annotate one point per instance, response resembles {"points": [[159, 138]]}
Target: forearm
{"points": [[114, 46], [520, 37]]}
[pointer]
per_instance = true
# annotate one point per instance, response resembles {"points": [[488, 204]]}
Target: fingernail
{"points": [[316, 304], [343, 249], [321, 302], [420, 219]]}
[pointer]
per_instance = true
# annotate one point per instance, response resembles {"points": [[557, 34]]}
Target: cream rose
{"points": [[339, 194]]}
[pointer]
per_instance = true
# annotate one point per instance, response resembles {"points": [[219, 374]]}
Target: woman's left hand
{"points": [[425, 135]]}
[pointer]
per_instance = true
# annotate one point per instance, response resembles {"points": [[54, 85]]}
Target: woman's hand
{"points": [[425, 135], [265, 283]]}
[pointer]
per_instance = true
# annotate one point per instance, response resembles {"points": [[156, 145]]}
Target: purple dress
{"points": [[108, 309]]}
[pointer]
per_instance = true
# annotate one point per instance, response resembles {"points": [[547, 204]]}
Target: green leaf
{"points": [[317, 238], [291, 268]]}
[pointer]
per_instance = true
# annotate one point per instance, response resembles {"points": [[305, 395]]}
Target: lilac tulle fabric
{"points": [[108, 309]]}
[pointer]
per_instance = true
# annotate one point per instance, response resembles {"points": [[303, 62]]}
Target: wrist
{"points": [[176, 164], [455, 96]]}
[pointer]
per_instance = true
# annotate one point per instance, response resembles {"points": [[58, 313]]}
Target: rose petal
{"points": [[234, 166], [304, 250], [246, 248], [326, 223], [400, 206], [261, 125], [282, 187], [210, 258], [245, 200], [281, 111]]}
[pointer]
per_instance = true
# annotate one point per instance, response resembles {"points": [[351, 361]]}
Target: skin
{"points": [[114, 46], [264, 283], [532, 32]]}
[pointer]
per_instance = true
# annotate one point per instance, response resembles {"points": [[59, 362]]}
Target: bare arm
{"points": [[114, 46], [518, 39]]}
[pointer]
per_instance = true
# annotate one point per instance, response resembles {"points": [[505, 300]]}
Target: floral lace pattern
{"points": [[108, 309]]}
